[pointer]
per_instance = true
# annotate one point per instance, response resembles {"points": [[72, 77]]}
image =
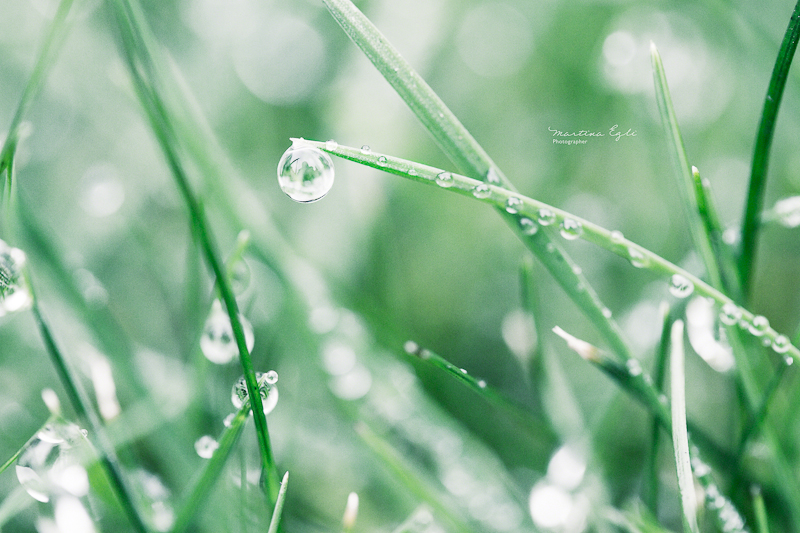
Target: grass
{"points": [[485, 421]]}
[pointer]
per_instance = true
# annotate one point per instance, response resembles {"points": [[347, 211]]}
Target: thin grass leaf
{"points": [[470, 158], [760, 510], [275, 522], [659, 368], [686, 184], [680, 437], [530, 210], [140, 64], [751, 223], [211, 471]]}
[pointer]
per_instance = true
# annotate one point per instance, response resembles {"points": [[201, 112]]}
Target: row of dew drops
{"points": [[306, 175]]}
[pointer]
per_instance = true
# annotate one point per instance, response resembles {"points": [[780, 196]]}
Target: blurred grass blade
{"points": [[132, 27], [760, 510], [659, 368], [470, 158], [686, 184], [766, 130], [211, 471], [274, 523], [680, 437]]}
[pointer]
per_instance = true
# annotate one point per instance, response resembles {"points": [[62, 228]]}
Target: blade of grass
{"points": [[469, 157], [680, 437], [766, 130], [278, 511], [686, 185], [760, 510], [138, 57], [529, 209]]}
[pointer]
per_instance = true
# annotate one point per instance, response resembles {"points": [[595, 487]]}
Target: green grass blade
{"points": [[140, 64], [276, 513], [470, 158], [529, 209], [680, 437], [760, 510], [766, 130], [211, 471], [686, 184], [659, 369]]}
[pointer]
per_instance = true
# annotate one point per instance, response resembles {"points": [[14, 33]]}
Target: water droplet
{"points": [[492, 177], [637, 258], [411, 347], [382, 161], [366, 149], [268, 391], [14, 292], [781, 344], [463, 370], [789, 360], [617, 236], [571, 229], [787, 211], [412, 171], [550, 247], [546, 216], [331, 145], [513, 204], [217, 342], [758, 326], [228, 420], [305, 173], [528, 226], [444, 179], [634, 367], [607, 312], [481, 191], [49, 463], [240, 275], [680, 287], [482, 384], [730, 314], [205, 446]]}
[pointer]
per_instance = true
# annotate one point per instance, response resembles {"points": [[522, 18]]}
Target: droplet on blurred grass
{"points": [[546, 217], [571, 229], [266, 387], [680, 287], [205, 446], [305, 173], [217, 341], [14, 293]]}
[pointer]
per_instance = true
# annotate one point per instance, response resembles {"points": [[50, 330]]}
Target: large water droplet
{"points": [[781, 344], [444, 179], [546, 216], [571, 229], [730, 314], [266, 387], [49, 464], [758, 326], [513, 204], [481, 191], [787, 211], [528, 226], [217, 342], [14, 293], [637, 258], [680, 287], [305, 173], [205, 446]]}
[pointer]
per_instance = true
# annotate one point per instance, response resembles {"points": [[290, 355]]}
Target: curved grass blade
{"points": [[529, 209], [277, 512], [680, 437], [470, 158], [686, 184], [766, 130], [130, 21]]}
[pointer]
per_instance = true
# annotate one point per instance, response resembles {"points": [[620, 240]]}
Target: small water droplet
{"points": [[617, 236], [228, 420], [444, 179], [463, 370], [730, 314], [637, 258], [577, 270], [411, 347], [789, 360], [482, 384], [513, 204], [217, 341], [528, 226], [634, 367], [412, 171], [680, 287], [205, 446], [758, 326], [271, 377], [305, 173], [571, 229], [787, 211], [50, 464], [607, 312], [269, 392], [366, 149], [14, 292], [481, 191], [546, 216], [382, 161], [781, 344], [492, 176], [331, 145]]}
